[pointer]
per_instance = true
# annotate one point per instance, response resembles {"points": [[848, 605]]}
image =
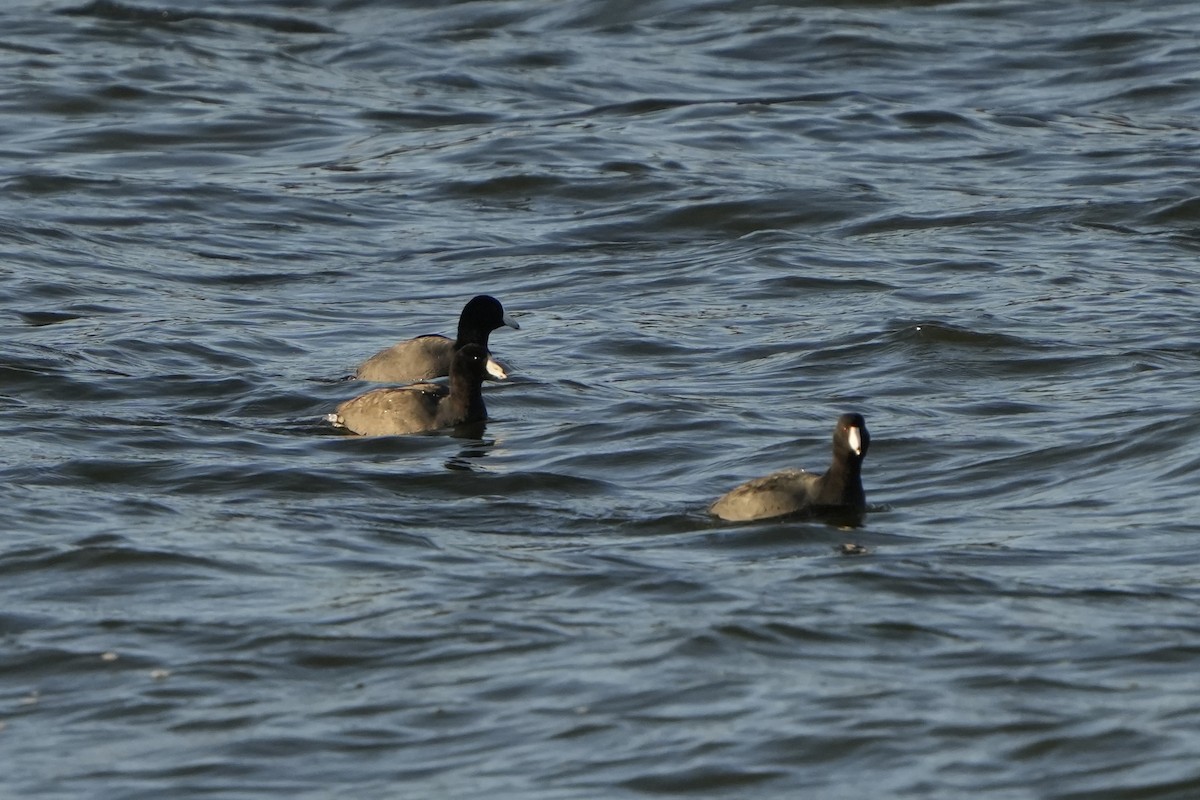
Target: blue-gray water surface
{"points": [[720, 224]]}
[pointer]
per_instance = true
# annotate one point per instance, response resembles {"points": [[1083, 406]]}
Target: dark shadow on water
{"points": [[470, 430], [161, 15], [833, 518], [776, 532], [471, 451], [39, 319], [848, 535]]}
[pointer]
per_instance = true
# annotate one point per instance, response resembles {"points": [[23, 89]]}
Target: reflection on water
{"points": [[476, 451]]}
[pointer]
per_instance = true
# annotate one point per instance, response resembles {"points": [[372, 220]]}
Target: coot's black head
{"points": [[850, 437], [480, 316]]}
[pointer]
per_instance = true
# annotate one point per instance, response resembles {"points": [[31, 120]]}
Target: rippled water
{"points": [[720, 224]]}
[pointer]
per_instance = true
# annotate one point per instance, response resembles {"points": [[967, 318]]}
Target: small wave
{"points": [[125, 12]]}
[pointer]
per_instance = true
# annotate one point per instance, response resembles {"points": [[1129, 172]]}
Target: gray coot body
{"points": [[427, 357], [792, 491], [422, 407]]}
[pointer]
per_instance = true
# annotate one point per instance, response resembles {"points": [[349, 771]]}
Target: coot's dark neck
{"points": [[471, 333], [841, 485], [465, 402]]}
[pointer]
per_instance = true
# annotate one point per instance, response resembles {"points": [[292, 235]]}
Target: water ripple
{"points": [[720, 225]]}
